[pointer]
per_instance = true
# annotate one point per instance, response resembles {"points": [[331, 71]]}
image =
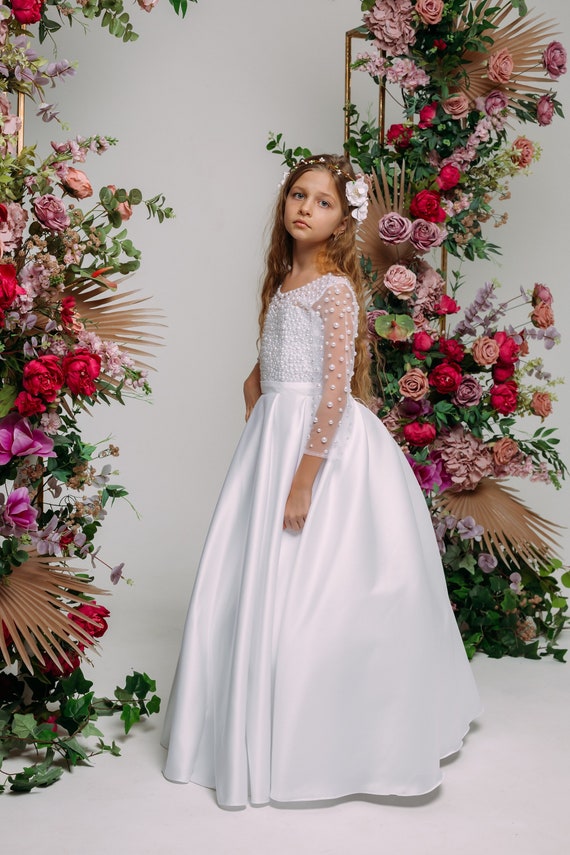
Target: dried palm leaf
{"points": [[383, 201], [114, 317], [37, 602], [525, 39], [509, 526]]}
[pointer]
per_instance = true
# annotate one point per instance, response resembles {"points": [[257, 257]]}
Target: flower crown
{"points": [[356, 189]]}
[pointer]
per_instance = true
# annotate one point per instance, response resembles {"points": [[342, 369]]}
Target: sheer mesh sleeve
{"points": [[337, 310]]}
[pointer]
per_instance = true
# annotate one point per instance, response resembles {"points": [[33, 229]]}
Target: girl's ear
{"points": [[340, 229]]}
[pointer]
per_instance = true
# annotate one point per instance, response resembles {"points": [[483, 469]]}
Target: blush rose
{"points": [[541, 404], [500, 66], [393, 228], [430, 11], [523, 152], [77, 184], [426, 235], [456, 106], [414, 384], [505, 450], [542, 316], [469, 392], [485, 350], [400, 281]]}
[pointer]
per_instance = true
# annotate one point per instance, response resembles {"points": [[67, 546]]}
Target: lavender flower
{"points": [[468, 529], [487, 562]]}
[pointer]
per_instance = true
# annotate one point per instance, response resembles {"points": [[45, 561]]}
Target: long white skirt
{"points": [[325, 663]]}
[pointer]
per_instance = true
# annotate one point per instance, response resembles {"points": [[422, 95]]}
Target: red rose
{"points": [[426, 206], [508, 348], [81, 368], [28, 405], [439, 44], [3, 214], [98, 614], [451, 348], [399, 136], [9, 287], [419, 433], [449, 177], [421, 343], [43, 377], [27, 11], [504, 397], [502, 371], [63, 668], [446, 306], [427, 115], [445, 377], [5, 633]]}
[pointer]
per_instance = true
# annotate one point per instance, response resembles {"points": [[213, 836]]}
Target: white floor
{"points": [[506, 792]]}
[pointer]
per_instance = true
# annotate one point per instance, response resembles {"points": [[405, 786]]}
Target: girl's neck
{"points": [[305, 267]]}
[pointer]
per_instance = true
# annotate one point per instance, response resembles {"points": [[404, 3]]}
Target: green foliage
{"points": [[56, 717]]}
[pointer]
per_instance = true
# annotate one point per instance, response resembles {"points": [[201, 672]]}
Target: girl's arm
{"points": [[252, 390], [299, 499]]}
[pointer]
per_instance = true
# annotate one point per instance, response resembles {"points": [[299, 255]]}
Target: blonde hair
{"points": [[339, 256]]}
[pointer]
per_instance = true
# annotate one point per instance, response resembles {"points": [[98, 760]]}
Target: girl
{"points": [[321, 656]]}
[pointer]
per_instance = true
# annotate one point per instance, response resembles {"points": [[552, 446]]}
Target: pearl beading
{"points": [[308, 336]]}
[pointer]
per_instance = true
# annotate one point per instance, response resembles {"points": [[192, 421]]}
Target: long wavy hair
{"points": [[339, 256]]}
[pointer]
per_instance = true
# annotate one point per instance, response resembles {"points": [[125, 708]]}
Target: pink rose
{"points": [[469, 392], [500, 66], [18, 512], [414, 384], [76, 183], [430, 11], [393, 228], [541, 404], [505, 450], [541, 294], [495, 102], [419, 433], [51, 213], [554, 60], [544, 110], [371, 320], [445, 377], [449, 177], [523, 152], [485, 351], [81, 368], [426, 235], [400, 280], [456, 106], [542, 316], [43, 378]]}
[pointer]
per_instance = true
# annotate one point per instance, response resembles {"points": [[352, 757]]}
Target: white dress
{"points": [[324, 663]]}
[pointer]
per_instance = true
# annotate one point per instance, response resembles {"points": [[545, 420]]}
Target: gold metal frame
{"points": [[350, 35]]}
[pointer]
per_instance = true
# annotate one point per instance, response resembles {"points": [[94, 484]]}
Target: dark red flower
{"points": [[43, 377], [449, 177], [440, 44], [9, 288], [27, 11], [427, 115], [98, 614], [508, 348], [419, 433], [502, 371], [67, 307], [29, 405], [504, 397], [426, 205], [62, 668], [399, 136], [421, 343], [446, 306], [445, 377], [450, 347], [81, 368]]}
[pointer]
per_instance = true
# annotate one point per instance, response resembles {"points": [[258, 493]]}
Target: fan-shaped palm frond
{"points": [[115, 317], [509, 526], [383, 201], [524, 38], [37, 602]]}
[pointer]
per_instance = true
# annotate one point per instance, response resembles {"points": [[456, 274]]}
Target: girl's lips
{"points": [[301, 223]]}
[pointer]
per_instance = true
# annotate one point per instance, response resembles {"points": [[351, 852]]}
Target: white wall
{"points": [[192, 102]]}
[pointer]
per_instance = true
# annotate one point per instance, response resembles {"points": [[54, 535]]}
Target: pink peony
{"points": [[18, 512], [495, 102], [393, 228], [523, 152], [544, 110], [51, 212], [500, 66], [426, 235], [400, 281], [554, 60], [390, 21], [541, 294]]}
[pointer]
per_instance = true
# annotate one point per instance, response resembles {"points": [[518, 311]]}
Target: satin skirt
{"points": [[323, 663]]}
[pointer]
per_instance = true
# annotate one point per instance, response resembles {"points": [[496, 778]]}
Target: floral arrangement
{"points": [[69, 339], [451, 391]]}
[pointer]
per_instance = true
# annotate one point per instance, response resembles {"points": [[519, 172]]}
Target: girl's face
{"points": [[313, 210]]}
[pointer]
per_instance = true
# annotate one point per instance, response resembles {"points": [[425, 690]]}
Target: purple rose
{"points": [[18, 439], [393, 228], [495, 102], [469, 392], [544, 110], [487, 562], [426, 235], [18, 511], [51, 212], [554, 60]]}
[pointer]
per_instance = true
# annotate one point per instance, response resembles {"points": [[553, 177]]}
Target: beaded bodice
{"points": [[308, 337]]}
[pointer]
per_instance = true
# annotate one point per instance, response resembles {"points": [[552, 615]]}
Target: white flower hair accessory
{"points": [[357, 197]]}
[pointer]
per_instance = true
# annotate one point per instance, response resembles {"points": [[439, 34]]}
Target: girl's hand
{"points": [[297, 508], [252, 390]]}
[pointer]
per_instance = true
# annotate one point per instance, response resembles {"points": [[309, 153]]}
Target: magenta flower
{"points": [[18, 439], [18, 511]]}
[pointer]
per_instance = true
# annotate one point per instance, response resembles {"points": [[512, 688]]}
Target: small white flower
{"points": [[357, 197]]}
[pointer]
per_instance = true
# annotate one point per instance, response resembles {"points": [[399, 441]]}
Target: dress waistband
{"points": [[281, 387]]}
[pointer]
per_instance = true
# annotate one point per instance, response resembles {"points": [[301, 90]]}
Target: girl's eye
{"points": [[324, 204], [298, 195]]}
